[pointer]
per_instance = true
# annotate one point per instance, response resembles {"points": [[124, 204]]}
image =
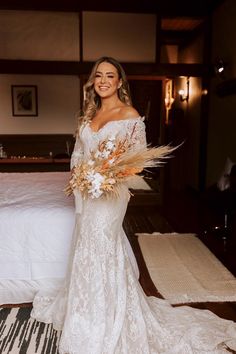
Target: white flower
{"points": [[112, 138], [90, 162], [110, 145], [98, 178], [95, 193], [90, 176], [105, 154], [95, 178]]}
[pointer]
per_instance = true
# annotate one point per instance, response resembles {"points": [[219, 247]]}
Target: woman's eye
{"points": [[97, 75], [110, 76]]}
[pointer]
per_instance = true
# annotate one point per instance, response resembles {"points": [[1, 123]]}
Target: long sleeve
{"points": [[77, 154], [137, 136], [76, 157], [137, 133]]}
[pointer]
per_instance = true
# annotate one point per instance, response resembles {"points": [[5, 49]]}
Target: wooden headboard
{"points": [[36, 152], [37, 144]]}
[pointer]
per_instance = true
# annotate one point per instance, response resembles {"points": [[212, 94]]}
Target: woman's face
{"points": [[106, 81]]}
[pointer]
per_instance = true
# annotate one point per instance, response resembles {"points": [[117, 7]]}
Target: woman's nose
{"points": [[103, 79]]}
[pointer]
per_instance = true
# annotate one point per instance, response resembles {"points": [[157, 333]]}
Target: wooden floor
{"points": [[179, 214]]}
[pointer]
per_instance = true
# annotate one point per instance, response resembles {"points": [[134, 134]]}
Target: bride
{"points": [[102, 309]]}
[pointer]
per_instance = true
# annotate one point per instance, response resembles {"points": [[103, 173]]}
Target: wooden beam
{"points": [[171, 8], [79, 68], [171, 70], [43, 67]]}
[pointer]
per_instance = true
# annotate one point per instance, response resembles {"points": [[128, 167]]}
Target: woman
{"points": [[102, 308]]}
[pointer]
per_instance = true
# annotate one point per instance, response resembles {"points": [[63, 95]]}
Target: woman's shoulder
{"points": [[128, 112]]}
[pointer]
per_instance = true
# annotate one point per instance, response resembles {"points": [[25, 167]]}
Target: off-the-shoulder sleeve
{"points": [[77, 154], [137, 133]]}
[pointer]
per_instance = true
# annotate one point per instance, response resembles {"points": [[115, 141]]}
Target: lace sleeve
{"points": [[77, 154], [137, 134]]}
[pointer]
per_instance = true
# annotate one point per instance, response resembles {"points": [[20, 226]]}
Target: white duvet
{"points": [[36, 227]]}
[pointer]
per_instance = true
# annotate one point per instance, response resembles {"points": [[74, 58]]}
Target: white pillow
{"points": [[223, 182]]}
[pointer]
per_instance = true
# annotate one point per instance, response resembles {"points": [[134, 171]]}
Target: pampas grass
{"points": [[111, 164]]}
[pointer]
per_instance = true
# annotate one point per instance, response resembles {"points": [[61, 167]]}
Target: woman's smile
{"points": [[106, 79]]}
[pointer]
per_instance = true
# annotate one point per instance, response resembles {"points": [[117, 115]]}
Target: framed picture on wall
{"points": [[24, 100]]}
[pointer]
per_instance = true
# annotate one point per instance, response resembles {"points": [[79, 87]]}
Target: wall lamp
{"points": [[219, 66], [184, 93]]}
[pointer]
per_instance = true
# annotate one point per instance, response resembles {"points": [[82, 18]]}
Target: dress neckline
{"points": [[111, 121]]}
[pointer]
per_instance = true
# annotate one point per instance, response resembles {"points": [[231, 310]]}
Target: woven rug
{"points": [[184, 270], [20, 334]]}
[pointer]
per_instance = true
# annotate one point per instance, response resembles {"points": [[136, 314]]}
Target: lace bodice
{"points": [[133, 129]]}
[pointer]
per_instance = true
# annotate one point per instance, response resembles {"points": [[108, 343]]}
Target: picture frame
{"points": [[24, 100]]}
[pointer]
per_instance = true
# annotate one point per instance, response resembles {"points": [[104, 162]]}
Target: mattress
{"points": [[36, 226]]}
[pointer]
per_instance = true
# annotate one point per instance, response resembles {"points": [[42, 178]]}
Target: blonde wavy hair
{"points": [[92, 101]]}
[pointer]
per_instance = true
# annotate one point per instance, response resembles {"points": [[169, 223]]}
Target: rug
{"points": [[184, 270], [20, 334]]}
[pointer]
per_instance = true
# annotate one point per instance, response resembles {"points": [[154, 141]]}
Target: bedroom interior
{"points": [[173, 62]]}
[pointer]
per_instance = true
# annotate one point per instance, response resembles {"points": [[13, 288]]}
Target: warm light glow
{"points": [[181, 92], [169, 99], [184, 93], [169, 102]]}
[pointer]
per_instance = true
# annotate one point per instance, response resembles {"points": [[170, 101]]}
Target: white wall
{"points": [[42, 35], [39, 35], [48, 35], [58, 105], [127, 37]]}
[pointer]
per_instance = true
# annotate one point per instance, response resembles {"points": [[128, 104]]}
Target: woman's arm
{"points": [[77, 154], [137, 133]]}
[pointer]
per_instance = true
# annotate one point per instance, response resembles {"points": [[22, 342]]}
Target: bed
{"points": [[36, 226]]}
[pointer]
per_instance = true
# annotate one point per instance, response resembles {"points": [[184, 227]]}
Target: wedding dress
{"points": [[102, 309]]}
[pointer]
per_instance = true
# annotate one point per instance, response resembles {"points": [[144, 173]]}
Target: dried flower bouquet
{"points": [[112, 163]]}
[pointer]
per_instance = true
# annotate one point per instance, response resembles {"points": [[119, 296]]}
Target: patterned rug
{"points": [[184, 270], [20, 334]]}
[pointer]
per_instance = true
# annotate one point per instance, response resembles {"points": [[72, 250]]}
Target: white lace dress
{"points": [[102, 308]]}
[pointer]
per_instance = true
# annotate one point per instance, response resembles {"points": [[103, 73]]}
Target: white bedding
{"points": [[36, 226]]}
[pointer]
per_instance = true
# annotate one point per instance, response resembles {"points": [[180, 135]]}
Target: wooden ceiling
{"points": [[166, 8], [179, 18]]}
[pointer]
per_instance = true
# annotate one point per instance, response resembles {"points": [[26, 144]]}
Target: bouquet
{"points": [[112, 163]]}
